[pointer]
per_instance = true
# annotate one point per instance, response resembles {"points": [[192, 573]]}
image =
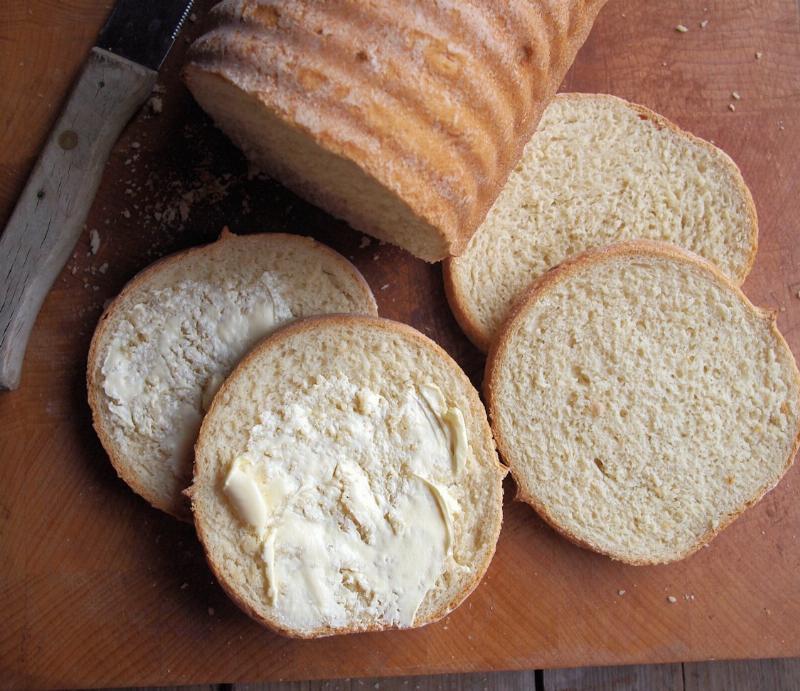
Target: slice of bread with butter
{"points": [[346, 480], [641, 401], [165, 344]]}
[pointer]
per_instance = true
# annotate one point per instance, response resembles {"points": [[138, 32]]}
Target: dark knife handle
{"points": [[52, 209]]}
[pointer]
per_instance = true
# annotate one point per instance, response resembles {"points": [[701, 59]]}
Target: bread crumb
{"points": [[620, 593], [759, 55], [135, 145], [736, 96], [159, 89], [704, 24], [376, 257], [156, 105], [672, 599], [731, 107], [193, 17], [94, 241], [126, 213], [210, 611], [184, 586], [103, 267], [365, 241], [681, 29], [384, 286]]}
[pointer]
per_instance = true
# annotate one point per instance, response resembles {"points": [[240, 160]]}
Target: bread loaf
{"points": [[165, 344], [346, 480], [641, 402], [403, 118], [600, 170]]}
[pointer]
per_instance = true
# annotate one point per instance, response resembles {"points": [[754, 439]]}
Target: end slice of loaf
{"points": [[600, 170], [404, 119], [641, 402], [346, 480], [164, 345]]}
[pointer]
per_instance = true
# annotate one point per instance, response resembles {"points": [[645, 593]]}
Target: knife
{"points": [[44, 227]]}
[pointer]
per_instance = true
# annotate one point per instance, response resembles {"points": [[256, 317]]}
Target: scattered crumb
{"points": [[672, 599], [759, 55], [94, 241], [704, 24], [126, 213], [797, 294], [156, 105], [365, 241], [736, 96], [210, 611], [384, 286], [688, 596], [681, 29], [731, 107], [780, 125], [663, 64], [184, 586], [103, 267], [135, 145], [376, 257], [159, 89], [193, 17], [620, 593]]}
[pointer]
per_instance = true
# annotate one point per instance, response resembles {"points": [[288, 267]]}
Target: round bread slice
{"points": [[164, 345], [641, 401], [346, 480], [600, 170]]}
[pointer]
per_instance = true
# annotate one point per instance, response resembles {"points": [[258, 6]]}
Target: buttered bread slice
{"points": [[641, 402], [346, 480], [600, 170], [165, 344]]}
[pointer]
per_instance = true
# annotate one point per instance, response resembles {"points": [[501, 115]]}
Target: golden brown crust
{"points": [[123, 465], [443, 146], [540, 288], [482, 338], [291, 331]]}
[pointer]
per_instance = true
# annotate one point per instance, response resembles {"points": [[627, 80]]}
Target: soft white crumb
{"points": [[736, 96], [759, 55], [94, 241], [681, 29], [731, 107], [672, 599], [156, 105], [704, 24], [184, 586], [192, 17], [103, 267], [365, 241], [620, 593], [384, 286]]}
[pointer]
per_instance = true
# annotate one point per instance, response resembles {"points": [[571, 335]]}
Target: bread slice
{"points": [[641, 401], [346, 480], [404, 119], [600, 170], [164, 345]]}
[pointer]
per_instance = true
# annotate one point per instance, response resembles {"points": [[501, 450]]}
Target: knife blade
{"points": [[44, 227]]}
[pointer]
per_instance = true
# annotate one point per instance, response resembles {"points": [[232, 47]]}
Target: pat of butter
{"points": [[434, 397], [243, 492], [458, 436]]}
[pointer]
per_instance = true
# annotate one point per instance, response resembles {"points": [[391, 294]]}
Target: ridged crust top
{"points": [[435, 100]]}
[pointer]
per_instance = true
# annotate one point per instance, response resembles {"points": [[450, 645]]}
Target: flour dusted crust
{"points": [[230, 255], [234, 405], [402, 118], [509, 448], [514, 246]]}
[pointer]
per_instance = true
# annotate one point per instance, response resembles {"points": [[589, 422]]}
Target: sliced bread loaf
{"points": [[600, 170], [403, 118], [346, 480], [641, 402], [164, 345]]}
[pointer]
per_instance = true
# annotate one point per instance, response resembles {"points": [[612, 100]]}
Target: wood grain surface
{"points": [[97, 589]]}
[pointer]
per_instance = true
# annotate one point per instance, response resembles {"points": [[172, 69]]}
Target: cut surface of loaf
{"points": [[404, 119], [641, 402], [346, 480], [600, 170], [166, 343]]}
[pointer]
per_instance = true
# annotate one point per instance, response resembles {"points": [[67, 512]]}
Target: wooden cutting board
{"points": [[96, 588]]}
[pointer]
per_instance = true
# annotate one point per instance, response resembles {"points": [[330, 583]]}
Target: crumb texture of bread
{"points": [[600, 170], [168, 341], [642, 402], [346, 480], [404, 119]]}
